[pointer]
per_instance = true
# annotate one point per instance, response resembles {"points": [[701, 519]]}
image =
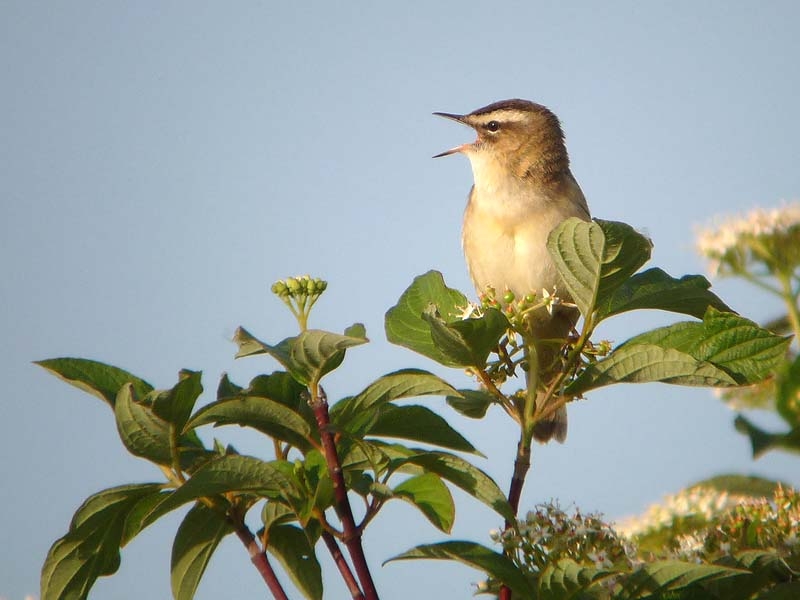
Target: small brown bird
{"points": [[523, 189]]}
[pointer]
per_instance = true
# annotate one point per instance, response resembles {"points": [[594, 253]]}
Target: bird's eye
{"points": [[493, 126]]}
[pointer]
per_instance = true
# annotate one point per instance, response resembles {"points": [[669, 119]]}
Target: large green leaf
{"points": [[262, 414], [290, 546], [420, 424], [668, 575], [101, 380], [566, 580], [740, 485], [463, 474], [141, 430], [405, 324], [787, 400], [231, 473], [197, 538], [764, 441], [766, 567], [308, 356], [430, 495], [466, 342], [472, 403], [643, 363], [353, 413], [281, 387], [91, 547], [177, 404], [746, 351], [656, 290], [479, 557], [595, 258]]}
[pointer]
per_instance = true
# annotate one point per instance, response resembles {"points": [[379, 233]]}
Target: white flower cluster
{"points": [[703, 503], [719, 240]]}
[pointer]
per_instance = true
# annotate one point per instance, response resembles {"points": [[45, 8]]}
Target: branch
{"points": [[352, 535], [259, 559], [344, 568]]}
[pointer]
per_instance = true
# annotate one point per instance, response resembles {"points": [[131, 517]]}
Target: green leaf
{"points": [[281, 387], [353, 413], [308, 356], [290, 546], [466, 342], [763, 441], [197, 538], [101, 380], [262, 414], [668, 575], [431, 497], [91, 547], [643, 363], [745, 350], [227, 388], [566, 579], [276, 513], [177, 404], [404, 323], [595, 258], [787, 400], [461, 473], [420, 424], [740, 485], [656, 290], [478, 557], [231, 473], [472, 403], [143, 433]]}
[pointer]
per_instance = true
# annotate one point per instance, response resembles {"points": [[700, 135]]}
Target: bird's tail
{"points": [[553, 427]]}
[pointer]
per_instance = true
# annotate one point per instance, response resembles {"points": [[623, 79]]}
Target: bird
{"points": [[523, 188]]}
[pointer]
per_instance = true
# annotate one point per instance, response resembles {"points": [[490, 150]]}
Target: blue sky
{"points": [[163, 163]]}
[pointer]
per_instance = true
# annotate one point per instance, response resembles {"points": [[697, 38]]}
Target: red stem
{"points": [[344, 568], [522, 464], [259, 559], [352, 535]]}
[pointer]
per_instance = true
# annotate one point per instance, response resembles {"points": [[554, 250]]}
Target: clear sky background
{"points": [[162, 163]]}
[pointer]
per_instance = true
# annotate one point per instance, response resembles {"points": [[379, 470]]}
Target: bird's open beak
{"points": [[458, 119]]}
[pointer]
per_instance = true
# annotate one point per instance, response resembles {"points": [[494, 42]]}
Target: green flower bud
{"points": [[508, 297]]}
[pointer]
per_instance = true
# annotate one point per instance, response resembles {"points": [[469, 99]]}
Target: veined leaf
{"points": [[404, 323], [262, 414], [91, 547], [745, 350], [420, 424], [668, 575], [431, 497], [566, 579], [466, 342], [141, 430], [177, 404], [463, 474], [656, 290], [290, 546], [281, 387], [409, 383], [308, 356], [643, 363], [595, 258], [197, 538], [101, 380], [478, 557], [231, 473], [472, 403]]}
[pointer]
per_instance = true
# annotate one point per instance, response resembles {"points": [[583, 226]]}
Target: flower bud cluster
{"points": [[299, 287]]}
